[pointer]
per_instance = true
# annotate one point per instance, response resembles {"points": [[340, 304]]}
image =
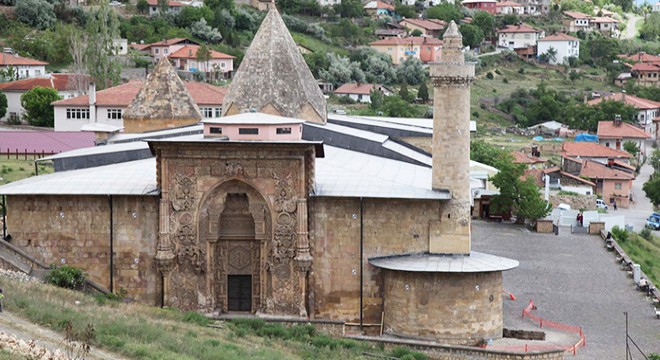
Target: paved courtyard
{"points": [[572, 280]]}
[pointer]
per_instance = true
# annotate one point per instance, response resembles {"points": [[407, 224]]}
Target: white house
{"points": [[574, 21], [166, 47], [329, 2], [607, 26], [519, 36], [656, 7], [361, 92], [509, 7], [565, 45], [67, 86], [23, 67], [120, 46], [614, 134], [173, 7], [106, 107], [186, 59]]}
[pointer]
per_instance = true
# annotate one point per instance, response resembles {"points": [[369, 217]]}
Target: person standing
{"points": [[2, 296]]}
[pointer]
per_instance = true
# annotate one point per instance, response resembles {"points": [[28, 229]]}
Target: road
{"points": [[642, 207], [631, 30]]}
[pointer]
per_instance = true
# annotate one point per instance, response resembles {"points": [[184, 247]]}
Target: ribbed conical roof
{"points": [[273, 77], [163, 96]]}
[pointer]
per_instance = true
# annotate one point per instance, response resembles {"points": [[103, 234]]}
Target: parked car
{"points": [[600, 204], [653, 221]]}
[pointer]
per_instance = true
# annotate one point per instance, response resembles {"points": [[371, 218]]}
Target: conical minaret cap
{"points": [[273, 77], [452, 31], [163, 96]]}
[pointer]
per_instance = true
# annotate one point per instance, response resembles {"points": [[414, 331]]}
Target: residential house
{"points": [[535, 7], [612, 184], [106, 107], [185, 59], [173, 7], [595, 152], [67, 86], [521, 38], [143, 48], [23, 67], [329, 2], [551, 128], [530, 161], [509, 7], [574, 21], [482, 5], [431, 27], [167, 47], [614, 134], [424, 48], [361, 92], [656, 7], [378, 8], [565, 45], [120, 46], [647, 110], [482, 188], [607, 26], [426, 3], [646, 74], [640, 57], [561, 180]]}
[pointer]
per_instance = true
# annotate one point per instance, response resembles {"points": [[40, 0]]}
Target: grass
{"points": [[143, 332], [317, 45], [13, 169], [644, 252]]}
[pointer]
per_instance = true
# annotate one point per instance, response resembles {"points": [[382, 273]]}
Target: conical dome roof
{"points": [[273, 77], [162, 102]]}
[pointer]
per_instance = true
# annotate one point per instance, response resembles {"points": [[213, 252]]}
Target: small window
{"points": [[617, 186], [156, 51], [216, 130], [248, 131], [283, 131], [218, 112], [114, 114], [207, 112]]}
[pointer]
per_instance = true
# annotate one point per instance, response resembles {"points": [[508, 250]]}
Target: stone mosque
{"points": [[277, 208]]}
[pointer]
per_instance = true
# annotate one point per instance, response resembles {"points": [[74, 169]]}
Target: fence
{"points": [[25, 154], [527, 312]]}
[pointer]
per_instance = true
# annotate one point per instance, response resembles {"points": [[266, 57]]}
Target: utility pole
{"points": [[627, 346]]}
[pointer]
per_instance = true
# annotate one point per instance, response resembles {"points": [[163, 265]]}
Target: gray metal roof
{"points": [[96, 150], [123, 138], [406, 127], [445, 263], [346, 173], [128, 178], [253, 118]]}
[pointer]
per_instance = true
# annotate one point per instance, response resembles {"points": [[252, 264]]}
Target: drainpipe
{"points": [[361, 259], [111, 244], [4, 218]]}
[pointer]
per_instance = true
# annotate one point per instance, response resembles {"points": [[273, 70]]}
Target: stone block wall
{"points": [[544, 226], [389, 227], [456, 308], [75, 230], [587, 202]]}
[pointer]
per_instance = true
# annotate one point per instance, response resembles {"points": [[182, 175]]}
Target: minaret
{"points": [[451, 144]]}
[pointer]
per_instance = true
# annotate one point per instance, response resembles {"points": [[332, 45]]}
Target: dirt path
{"points": [[43, 337]]}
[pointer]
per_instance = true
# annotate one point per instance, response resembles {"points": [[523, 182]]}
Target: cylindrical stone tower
{"points": [[451, 144]]}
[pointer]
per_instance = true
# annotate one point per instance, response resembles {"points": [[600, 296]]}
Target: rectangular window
{"points": [[156, 50], [248, 131], [114, 114], [617, 186], [164, 51], [216, 130], [77, 113], [218, 112], [207, 112], [283, 131]]}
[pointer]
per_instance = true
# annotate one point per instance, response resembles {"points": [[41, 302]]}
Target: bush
{"points": [[521, 71], [505, 80], [646, 234], [345, 100], [498, 72], [66, 276], [196, 318], [475, 114], [619, 234], [489, 76]]}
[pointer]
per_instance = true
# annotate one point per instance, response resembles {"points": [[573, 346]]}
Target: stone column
{"points": [[165, 251], [303, 257], [451, 145]]}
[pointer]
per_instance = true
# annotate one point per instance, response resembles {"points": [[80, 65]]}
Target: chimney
{"points": [[92, 102], [189, 52], [617, 120], [451, 146], [610, 162]]}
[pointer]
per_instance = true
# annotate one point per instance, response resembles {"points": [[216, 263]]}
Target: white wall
{"points": [[14, 101], [582, 190], [518, 40], [28, 71], [565, 49]]}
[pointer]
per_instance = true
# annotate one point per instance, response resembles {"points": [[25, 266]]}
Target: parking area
{"points": [[573, 280]]}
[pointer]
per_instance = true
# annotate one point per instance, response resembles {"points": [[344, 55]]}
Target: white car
{"points": [[600, 204], [115, 3]]}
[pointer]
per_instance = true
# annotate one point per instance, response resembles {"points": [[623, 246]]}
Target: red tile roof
{"points": [[362, 89], [536, 174], [13, 59], [592, 150], [577, 178], [168, 42], [59, 82], [596, 170], [559, 37], [641, 57], [639, 103], [624, 165], [577, 15], [190, 52], [604, 20], [379, 5], [122, 95], [430, 24], [522, 28], [413, 40], [50, 142], [139, 47], [520, 157], [169, 3], [608, 130], [645, 67]]}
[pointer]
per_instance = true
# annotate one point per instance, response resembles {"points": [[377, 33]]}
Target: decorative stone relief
{"points": [[284, 240], [233, 169], [184, 193]]}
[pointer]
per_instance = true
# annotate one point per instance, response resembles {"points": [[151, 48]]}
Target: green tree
{"points": [[650, 30], [395, 106], [405, 94], [3, 105], [190, 14], [203, 31], [35, 13], [549, 56], [316, 61], [631, 148], [411, 71], [654, 161], [416, 32], [37, 105], [445, 11], [652, 190], [573, 75], [203, 55], [472, 35], [222, 4], [102, 28], [142, 6], [377, 99], [486, 22], [406, 11], [521, 197], [349, 9], [341, 70], [603, 49], [488, 154], [423, 92]]}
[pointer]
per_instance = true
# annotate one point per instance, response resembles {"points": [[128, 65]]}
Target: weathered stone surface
{"points": [[162, 102], [273, 77]]}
